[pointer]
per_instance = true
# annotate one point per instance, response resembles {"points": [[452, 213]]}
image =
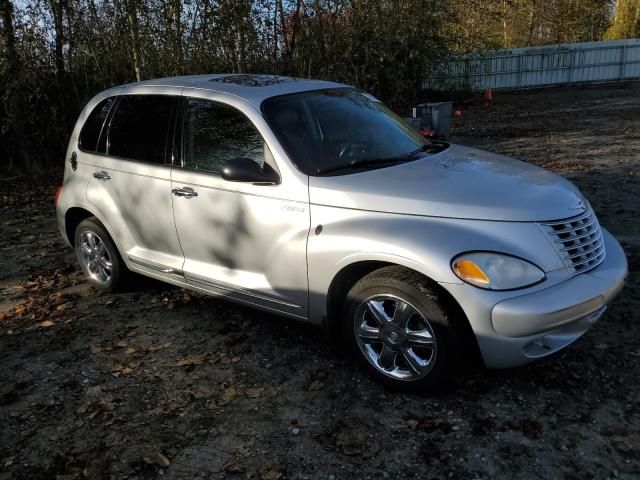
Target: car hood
{"points": [[459, 182]]}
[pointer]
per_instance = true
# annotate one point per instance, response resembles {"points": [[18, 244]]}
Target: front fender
{"points": [[423, 244]]}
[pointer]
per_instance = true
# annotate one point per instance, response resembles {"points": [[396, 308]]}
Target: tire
{"points": [[400, 330], [98, 256]]}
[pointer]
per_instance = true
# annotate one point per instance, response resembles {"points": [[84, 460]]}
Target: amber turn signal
{"points": [[470, 272]]}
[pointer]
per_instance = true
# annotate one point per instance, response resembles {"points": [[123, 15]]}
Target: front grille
{"points": [[578, 240]]}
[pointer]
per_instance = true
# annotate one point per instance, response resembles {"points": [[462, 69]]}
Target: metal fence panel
{"points": [[547, 65]]}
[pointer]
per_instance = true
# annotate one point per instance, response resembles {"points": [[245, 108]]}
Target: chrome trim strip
{"points": [[586, 252], [590, 242], [577, 218], [233, 289], [154, 266], [572, 229], [595, 259]]}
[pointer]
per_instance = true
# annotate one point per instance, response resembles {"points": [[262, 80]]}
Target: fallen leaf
{"points": [[192, 360], [626, 444], [253, 392], [160, 460], [233, 467], [316, 385], [272, 473], [65, 306], [412, 424], [59, 299], [118, 370], [46, 323], [228, 394], [107, 402], [84, 407], [155, 348], [3, 316]]}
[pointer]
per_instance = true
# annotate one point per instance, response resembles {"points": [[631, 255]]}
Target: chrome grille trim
{"points": [[578, 240], [587, 213], [589, 226], [583, 244]]}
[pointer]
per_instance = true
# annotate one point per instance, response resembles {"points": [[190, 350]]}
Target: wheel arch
{"points": [[350, 274], [72, 219]]}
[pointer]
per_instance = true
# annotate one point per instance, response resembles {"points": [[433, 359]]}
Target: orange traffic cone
{"points": [[488, 95]]}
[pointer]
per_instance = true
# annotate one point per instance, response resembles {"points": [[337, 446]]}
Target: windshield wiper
{"points": [[433, 146], [365, 162]]}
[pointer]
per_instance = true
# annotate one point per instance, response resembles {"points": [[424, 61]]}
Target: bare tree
{"points": [[134, 37]]}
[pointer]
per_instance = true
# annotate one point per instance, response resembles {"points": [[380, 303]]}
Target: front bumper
{"points": [[514, 328]]}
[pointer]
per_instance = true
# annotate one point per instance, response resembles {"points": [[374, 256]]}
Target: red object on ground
{"points": [[457, 113], [56, 195], [427, 133], [488, 94]]}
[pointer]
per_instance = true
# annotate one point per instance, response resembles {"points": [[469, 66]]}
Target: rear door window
{"points": [[90, 133], [140, 126]]}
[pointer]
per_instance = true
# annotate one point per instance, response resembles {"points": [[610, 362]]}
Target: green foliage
{"points": [[626, 22]]}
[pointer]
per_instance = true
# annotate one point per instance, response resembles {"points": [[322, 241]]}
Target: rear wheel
{"points": [[400, 330], [98, 255]]}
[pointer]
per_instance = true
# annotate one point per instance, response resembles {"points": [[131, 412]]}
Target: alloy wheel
{"points": [[95, 257], [395, 338]]}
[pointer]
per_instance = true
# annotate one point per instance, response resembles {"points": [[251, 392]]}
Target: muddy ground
{"points": [[161, 383]]}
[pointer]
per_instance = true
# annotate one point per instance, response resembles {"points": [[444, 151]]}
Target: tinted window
{"points": [[215, 133], [90, 132], [139, 127]]}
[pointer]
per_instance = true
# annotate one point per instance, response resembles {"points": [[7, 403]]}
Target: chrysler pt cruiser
{"points": [[313, 200]]}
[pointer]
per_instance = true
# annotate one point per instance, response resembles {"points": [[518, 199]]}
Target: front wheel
{"points": [[400, 330]]}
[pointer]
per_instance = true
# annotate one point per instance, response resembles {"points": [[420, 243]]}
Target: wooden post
{"points": [[622, 59], [572, 61]]}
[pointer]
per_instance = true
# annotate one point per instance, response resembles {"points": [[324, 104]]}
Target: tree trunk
{"points": [[275, 36], [241, 19], [6, 14], [132, 19], [177, 13], [57, 9], [532, 16]]}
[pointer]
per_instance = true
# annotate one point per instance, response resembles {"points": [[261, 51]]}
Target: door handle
{"points": [[101, 175], [186, 192]]}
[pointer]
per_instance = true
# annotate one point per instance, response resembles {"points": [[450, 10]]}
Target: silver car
{"points": [[313, 200]]}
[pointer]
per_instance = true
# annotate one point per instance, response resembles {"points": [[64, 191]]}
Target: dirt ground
{"points": [[161, 383]]}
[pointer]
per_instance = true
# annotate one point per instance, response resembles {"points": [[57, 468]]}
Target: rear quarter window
{"points": [[90, 133]]}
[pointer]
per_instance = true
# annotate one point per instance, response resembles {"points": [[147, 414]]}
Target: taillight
{"points": [[57, 195]]}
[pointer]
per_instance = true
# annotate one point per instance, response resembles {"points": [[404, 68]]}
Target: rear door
{"points": [[131, 182], [240, 240]]}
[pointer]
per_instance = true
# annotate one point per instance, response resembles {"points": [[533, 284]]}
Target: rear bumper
{"points": [[514, 330]]}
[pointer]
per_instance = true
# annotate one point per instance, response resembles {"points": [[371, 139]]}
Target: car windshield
{"points": [[342, 129]]}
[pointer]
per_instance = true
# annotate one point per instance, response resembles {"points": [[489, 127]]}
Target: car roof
{"points": [[254, 88]]}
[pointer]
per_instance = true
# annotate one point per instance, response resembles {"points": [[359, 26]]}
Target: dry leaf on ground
{"points": [[192, 360]]}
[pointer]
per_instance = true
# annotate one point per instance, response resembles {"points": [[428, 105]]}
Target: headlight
{"points": [[495, 271]]}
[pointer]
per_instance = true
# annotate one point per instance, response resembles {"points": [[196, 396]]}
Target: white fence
{"points": [[549, 65]]}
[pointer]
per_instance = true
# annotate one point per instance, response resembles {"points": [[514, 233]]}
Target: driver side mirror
{"points": [[246, 170]]}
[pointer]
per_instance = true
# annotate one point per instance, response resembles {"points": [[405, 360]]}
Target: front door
{"points": [[240, 240], [131, 183]]}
